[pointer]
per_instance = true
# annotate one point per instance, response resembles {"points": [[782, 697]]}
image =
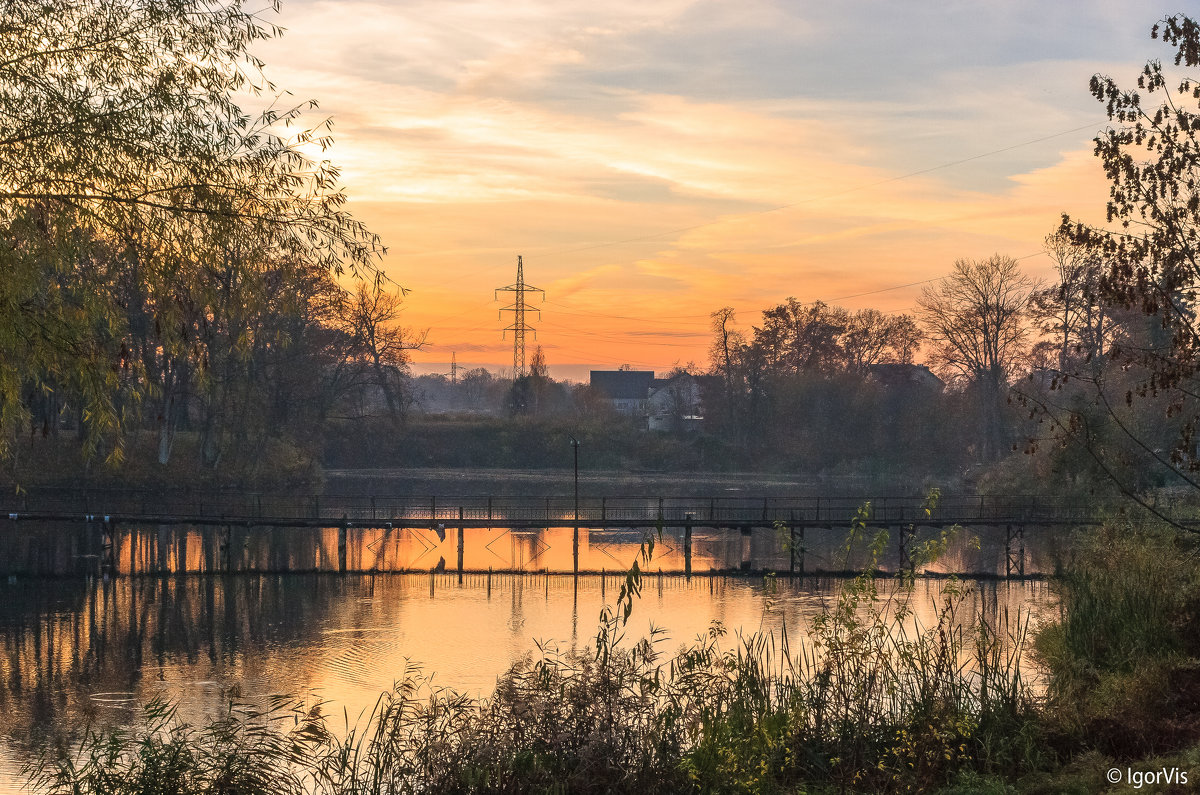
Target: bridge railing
{"points": [[554, 509]]}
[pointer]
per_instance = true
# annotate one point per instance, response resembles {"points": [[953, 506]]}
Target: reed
{"points": [[1124, 657]]}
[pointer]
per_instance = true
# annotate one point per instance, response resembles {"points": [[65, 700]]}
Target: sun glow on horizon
{"points": [[652, 165]]}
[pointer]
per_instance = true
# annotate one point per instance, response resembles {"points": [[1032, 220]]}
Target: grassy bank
{"points": [[484, 441], [608, 442], [274, 465], [868, 702]]}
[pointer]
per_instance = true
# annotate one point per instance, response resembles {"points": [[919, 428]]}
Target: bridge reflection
{"points": [[174, 549]]}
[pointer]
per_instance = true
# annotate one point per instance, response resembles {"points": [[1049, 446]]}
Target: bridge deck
{"points": [[110, 523], [607, 512]]}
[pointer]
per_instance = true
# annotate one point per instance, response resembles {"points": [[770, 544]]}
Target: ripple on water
{"points": [[359, 661], [123, 699]]}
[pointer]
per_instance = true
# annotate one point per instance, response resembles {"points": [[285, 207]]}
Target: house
{"points": [[662, 403], [674, 404], [906, 376], [627, 390]]}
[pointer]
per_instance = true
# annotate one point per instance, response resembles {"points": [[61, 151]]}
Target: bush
{"points": [[1121, 658]]}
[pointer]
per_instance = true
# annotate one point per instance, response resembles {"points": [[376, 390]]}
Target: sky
{"points": [[653, 162]]}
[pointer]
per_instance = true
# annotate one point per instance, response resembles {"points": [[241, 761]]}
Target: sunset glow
{"points": [[655, 162]]}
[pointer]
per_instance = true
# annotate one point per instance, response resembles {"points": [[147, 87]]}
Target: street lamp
{"points": [[575, 535]]}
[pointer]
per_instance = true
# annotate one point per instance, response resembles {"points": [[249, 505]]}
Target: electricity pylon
{"points": [[519, 326]]}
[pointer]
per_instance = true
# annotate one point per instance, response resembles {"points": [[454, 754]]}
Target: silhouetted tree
{"points": [[383, 345], [975, 320], [1151, 156]]}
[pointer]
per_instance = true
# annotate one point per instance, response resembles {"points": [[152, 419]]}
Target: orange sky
{"points": [[654, 162]]}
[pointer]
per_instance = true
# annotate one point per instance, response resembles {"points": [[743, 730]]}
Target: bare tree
{"points": [[871, 337], [976, 322], [725, 345], [1078, 324], [373, 314]]}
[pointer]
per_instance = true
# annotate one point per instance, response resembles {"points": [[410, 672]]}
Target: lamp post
{"points": [[575, 535]]}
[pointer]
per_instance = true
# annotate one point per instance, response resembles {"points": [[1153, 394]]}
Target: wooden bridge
{"points": [[106, 509]]}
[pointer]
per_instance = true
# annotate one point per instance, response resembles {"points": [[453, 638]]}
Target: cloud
{"points": [[693, 153], [570, 285]]}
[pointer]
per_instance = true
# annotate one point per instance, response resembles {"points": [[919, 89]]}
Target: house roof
{"points": [[902, 374], [622, 384]]}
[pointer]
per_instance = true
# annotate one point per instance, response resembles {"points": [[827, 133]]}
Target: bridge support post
{"points": [[791, 542], [225, 543], [1008, 558], [461, 542], [801, 547], [1014, 561], [687, 547], [107, 542], [342, 545], [1021, 542], [905, 534], [747, 563]]}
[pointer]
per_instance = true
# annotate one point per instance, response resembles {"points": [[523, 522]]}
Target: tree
{"points": [[871, 337], [372, 315], [1151, 156], [975, 320], [121, 143], [476, 384], [797, 337], [727, 340], [1077, 322]]}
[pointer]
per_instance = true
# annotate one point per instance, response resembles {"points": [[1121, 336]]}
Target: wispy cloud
{"points": [[696, 153]]}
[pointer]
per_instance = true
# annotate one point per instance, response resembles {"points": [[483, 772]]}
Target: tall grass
{"points": [[1124, 674], [868, 701]]}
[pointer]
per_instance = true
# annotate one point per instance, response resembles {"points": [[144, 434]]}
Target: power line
{"points": [[624, 340], [659, 319]]}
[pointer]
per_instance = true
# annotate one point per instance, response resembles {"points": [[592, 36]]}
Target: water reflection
{"points": [[55, 550], [74, 651]]}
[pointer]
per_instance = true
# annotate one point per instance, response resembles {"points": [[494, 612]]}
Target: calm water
{"points": [[75, 650]]}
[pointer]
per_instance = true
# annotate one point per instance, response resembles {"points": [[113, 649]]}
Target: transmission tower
{"points": [[453, 368], [519, 326]]}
